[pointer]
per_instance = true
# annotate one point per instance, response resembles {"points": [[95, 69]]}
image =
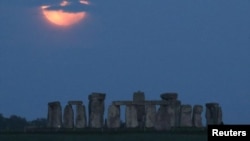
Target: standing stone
{"points": [[68, 117], [50, 116], [131, 116], [140, 97], [186, 116], [197, 119], [150, 116], [113, 116], [96, 110], [54, 115], [81, 120], [171, 114], [177, 113], [213, 114], [173, 108], [162, 121]]}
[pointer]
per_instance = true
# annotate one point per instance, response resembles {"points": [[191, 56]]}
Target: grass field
{"points": [[102, 137], [180, 135]]}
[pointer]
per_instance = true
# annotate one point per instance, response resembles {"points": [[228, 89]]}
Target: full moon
{"points": [[61, 17]]}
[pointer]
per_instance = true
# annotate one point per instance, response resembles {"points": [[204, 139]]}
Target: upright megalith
{"points": [[186, 116], [197, 117], [131, 116], [96, 110], [162, 119], [68, 117], [69, 121], [81, 119], [213, 114], [54, 115], [150, 116], [140, 97], [173, 108], [113, 116]]}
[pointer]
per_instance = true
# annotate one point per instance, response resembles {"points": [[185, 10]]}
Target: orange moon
{"points": [[62, 18]]}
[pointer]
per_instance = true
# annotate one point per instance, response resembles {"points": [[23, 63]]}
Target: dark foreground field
{"points": [[105, 136]]}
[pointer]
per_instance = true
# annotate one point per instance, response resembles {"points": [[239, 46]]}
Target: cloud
{"points": [[73, 6], [69, 6]]}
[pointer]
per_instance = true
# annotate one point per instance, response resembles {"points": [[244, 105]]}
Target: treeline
{"points": [[17, 123]]}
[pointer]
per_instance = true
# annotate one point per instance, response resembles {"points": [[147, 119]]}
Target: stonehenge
{"points": [[186, 116], [113, 120], [197, 117], [54, 114], [150, 116], [140, 109], [68, 116], [162, 119], [213, 113], [163, 114], [96, 110], [173, 108], [80, 120], [131, 116]]}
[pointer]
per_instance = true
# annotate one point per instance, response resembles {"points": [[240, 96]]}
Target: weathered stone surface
{"points": [[162, 121], [50, 116], [186, 116], [68, 117], [169, 96], [81, 120], [197, 117], [131, 116], [173, 110], [171, 114], [54, 115], [140, 97], [150, 116], [113, 116], [177, 104], [96, 110], [213, 114]]}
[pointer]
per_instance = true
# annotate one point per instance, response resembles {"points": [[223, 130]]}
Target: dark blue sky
{"points": [[197, 48]]}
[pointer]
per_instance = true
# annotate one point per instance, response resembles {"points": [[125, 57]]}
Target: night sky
{"points": [[197, 48]]}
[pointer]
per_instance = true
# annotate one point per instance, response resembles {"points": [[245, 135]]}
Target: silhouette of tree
{"points": [[13, 123], [2, 122], [38, 123], [16, 123]]}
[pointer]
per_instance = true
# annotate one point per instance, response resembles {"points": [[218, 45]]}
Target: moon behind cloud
{"points": [[60, 17]]}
